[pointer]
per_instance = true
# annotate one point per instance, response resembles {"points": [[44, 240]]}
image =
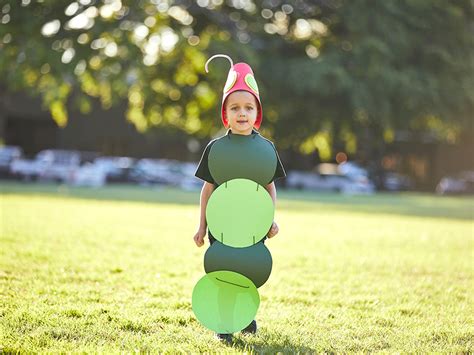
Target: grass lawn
{"points": [[113, 270]]}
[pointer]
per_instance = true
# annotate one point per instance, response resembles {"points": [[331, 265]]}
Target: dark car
{"points": [[155, 171]]}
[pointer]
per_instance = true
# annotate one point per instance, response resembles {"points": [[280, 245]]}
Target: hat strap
{"points": [[219, 55]]}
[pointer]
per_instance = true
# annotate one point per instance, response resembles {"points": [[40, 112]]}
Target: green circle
{"points": [[225, 301], [254, 262], [239, 213], [251, 83], [242, 156]]}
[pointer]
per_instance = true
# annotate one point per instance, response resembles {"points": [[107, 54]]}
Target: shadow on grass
{"points": [[406, 204], [282, 345]]}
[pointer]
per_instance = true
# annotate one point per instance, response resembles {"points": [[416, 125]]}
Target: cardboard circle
{"points": [[239, 213], [225, 301], [231, 80], [251, 83], [254, 262], [242, 156]]}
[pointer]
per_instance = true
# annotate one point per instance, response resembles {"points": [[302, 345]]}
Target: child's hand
{"points": [[273, 230], [199, 237]]}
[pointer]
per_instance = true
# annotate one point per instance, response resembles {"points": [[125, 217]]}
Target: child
{"points": [[241, 112]]}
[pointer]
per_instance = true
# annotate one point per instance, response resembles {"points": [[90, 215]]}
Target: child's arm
{"points": [[206, 192], [272, 191]]}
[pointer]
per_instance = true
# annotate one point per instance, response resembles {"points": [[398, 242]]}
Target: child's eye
{"points": [[233, 108], [250, 108]]}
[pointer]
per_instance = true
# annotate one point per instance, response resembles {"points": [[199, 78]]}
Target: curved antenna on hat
{"points": [[218, 55]]}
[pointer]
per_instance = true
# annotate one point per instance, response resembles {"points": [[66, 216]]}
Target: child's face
{"points": [[241, 111]]}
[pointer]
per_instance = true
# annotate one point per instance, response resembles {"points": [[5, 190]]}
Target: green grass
{"points": [[113, 270]]}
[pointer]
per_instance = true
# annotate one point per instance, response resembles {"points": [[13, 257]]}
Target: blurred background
{"points": [[358, 96]]}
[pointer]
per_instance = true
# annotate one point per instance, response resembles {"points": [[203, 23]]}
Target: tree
{"points": [[330, 72]]}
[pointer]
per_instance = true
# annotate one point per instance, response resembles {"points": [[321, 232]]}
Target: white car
{"points": [[355, 178], [117, 169], [51, 164], [328, 178], [461, 183], [8, 154], [190, 182], [92, 175]]}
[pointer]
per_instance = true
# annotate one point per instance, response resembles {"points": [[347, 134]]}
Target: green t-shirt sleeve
{"points": [[279, 171], [202, 171]]}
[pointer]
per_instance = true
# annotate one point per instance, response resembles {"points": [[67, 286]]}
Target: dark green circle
{"points": [[242, 156], [254, 262], [239, 213], [225, 301]]}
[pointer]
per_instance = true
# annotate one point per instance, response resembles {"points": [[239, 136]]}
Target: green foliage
{"points": [[339, 66], [112, 270], [382, 65]]}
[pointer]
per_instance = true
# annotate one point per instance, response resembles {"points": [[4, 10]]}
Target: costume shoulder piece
{"points": [[247, 157]]}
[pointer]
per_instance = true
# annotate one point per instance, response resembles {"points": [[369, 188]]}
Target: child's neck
{"points": [[241, 133]]}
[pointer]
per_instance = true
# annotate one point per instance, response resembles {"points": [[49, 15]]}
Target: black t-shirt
{"points": [[203, 172]]}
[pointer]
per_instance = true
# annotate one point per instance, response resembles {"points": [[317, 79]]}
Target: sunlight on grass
{"points": [[113, 270]]}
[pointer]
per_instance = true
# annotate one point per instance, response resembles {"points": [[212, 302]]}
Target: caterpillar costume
{"points": [[239, 215]]}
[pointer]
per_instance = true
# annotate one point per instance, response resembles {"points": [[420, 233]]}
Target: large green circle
{"points": [[225, 301], [242, 156], [239, 213], [254, 262]]}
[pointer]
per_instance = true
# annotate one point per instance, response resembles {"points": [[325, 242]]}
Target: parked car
{"points": [[166, 172], [189, 181], [154, 171], [355, 178], [8, 154], [50, 164], [89, 174], [351, 169], [328, 177], [461, 183], [301, 180], [397, 182], [117, 169]]}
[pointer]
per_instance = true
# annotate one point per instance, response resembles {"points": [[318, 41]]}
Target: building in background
{"points": [[25, 124]]}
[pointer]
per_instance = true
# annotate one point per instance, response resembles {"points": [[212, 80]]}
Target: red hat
{"points": [[240, 77]]}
